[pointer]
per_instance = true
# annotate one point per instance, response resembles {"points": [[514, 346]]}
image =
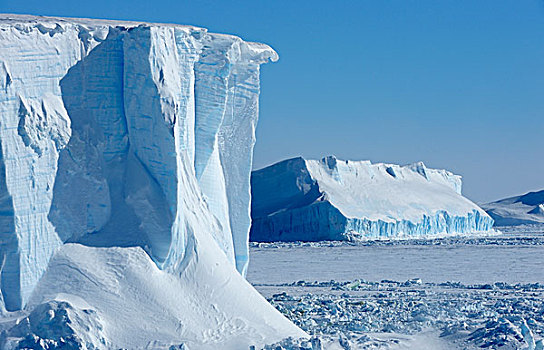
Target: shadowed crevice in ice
{"points": [[100, 180], [10, 267], [298, 188]]}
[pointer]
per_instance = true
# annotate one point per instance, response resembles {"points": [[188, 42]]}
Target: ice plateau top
{"points": [[125, 159], [331, 199]]}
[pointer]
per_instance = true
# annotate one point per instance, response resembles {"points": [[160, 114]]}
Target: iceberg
{"points": [[332, 199], [527, 209], [125, 159]]}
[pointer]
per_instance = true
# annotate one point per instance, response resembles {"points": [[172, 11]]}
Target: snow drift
{"points": [[331, 199], [518, 210], [125, 160]]}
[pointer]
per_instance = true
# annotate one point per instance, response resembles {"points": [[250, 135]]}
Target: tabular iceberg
{"points": [[125, 160], [518, 210], [331, 199]]}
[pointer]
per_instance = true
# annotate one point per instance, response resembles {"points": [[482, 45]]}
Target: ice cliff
{"points": [[125, 160], [518, 210], [331, 199]]}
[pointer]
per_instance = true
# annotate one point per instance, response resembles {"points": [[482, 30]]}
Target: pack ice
{"points": [[332, 199], [518, 210], [125, 160]]}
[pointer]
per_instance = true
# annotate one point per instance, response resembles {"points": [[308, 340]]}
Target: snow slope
{"points": [[132, 142], [137, 305], [524, 209], [330, 199]]}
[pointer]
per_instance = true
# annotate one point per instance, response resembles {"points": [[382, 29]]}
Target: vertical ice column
{"points": [[237, 139], [159, 100], [151, 113], [212, 77], [33, 128], [227, 93], [188, 50]]}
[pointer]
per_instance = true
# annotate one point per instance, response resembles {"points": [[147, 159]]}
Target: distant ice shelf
{"points": [[331, 199], [125, 158], [518, 210]]}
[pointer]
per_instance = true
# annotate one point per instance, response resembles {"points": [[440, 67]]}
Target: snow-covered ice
{"points": [[467, 260], [451, 293], [125, 160], [331, 199], [131, 303], [519, 210]]}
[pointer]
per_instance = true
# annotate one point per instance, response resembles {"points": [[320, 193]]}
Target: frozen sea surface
{"points": [[510, 257], [455, 293]]}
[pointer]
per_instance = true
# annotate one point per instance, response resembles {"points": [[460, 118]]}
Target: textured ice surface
{"points": [[56, 325], [464, 259], [395, 315], [331, 199], [133, 142], [451, 293], [519, 210]]}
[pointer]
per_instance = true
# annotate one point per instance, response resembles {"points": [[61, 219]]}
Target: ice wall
{"points": [[331, 199], [122, 134]]}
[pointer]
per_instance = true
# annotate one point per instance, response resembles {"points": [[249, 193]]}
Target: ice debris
{"points": [[491, 316]]}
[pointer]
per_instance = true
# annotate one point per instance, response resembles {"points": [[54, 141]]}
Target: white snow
{"points": [[301, 199], [125, 160], [465, 259], [204, 306], [519, 210]]}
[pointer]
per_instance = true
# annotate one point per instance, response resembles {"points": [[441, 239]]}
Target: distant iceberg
{"points": [[518, 210], [332, 199]]}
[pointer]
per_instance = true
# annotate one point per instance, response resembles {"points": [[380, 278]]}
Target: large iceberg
{"points": [[518, 210], [332, 199], [125, 160]]}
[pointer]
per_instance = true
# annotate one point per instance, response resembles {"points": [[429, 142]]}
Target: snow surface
{"points": [[137, 305], [125, 159], [519, 210], [313, 200], [511, 258]]}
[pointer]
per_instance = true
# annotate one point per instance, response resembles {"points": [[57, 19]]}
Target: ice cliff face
{"points": [[518, 210], [121, 134], [330, 199]]}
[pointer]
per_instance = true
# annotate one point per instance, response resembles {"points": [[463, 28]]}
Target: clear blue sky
{"points": [[457, 84]]}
